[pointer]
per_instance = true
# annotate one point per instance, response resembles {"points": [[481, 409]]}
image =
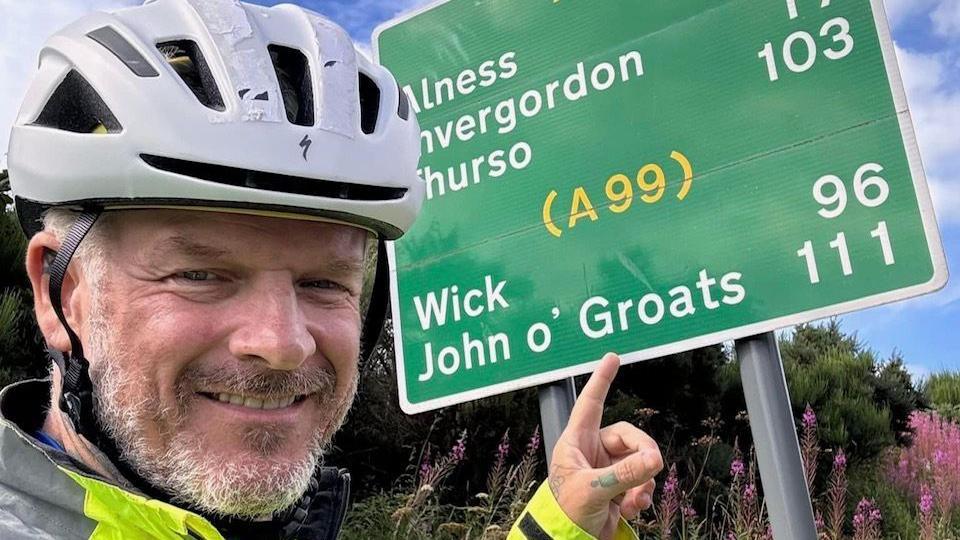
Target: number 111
{"points": [[840, 244]]}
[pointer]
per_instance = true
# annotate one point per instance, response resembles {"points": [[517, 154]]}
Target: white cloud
{"points": [[899, 10], [935, 105], [946, 19], [918, 373], [946, 200], [24, 26]]}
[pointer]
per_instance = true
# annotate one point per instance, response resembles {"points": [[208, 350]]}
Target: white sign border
{"points": [[927, 216]]}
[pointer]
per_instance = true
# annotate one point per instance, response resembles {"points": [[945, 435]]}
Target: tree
{"points": [[863, 405], [21, 346]]}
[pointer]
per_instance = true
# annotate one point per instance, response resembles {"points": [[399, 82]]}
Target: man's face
{"points": [[224, 350]]}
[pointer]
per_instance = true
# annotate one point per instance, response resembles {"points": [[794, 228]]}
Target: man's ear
{"points": [[40, 254]]}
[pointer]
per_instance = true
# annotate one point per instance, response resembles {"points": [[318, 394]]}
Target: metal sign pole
{"points": [[556, 403], [775, 438]]}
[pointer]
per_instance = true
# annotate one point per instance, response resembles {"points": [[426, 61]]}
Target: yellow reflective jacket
{"points": [[47, 495]]}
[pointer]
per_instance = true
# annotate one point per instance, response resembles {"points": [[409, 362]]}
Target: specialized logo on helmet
{"points": [[262, 96], [305, 144]]}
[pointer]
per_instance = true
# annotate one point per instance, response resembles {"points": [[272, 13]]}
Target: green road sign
{"points": [[645, 177]]}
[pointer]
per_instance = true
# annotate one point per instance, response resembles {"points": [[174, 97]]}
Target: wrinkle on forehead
{"points": [[221, 235]]}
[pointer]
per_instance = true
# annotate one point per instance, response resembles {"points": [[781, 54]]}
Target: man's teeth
{"points": [[254, 403]]}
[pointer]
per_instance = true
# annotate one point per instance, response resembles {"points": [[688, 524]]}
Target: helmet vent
{"points": [[268, 181], [296, 86], [403, 108], [186, 59], [369, 104], [75, 106]]}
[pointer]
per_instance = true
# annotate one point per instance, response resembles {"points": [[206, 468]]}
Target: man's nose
{"points": [[274, 328]]}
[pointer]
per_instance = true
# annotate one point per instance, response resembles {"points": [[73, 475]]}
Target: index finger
{"points": [[588, 409]]}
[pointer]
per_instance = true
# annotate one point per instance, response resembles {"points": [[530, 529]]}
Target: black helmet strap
{"points": [[377, 309], [76, 399]]}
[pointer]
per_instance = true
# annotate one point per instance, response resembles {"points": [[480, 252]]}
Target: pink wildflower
{"points": [[425, 466], [926, 513], [932, 460], [866, 521], [459, 450], [837, 497], [669, 504], [736, 468], [809, 418], [534, 443], [809, 446], [503, 449], [840, 461]]}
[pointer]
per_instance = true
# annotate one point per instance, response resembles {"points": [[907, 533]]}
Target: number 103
{"points": [[840, 245]]}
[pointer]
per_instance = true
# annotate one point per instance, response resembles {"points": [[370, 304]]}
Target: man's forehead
{"points": [[219, 235]]}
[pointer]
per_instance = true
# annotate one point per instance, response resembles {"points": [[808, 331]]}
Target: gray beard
{"points": [[249, 486]]}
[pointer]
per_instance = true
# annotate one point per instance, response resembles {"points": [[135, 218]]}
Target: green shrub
{"points": [[863, 405], [21, 345], [943, 392]]}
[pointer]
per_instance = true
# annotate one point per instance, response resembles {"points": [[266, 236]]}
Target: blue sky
{"points": [[927, 32]]}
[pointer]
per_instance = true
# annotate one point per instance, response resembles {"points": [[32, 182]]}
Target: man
{"points": [[219, 173]]}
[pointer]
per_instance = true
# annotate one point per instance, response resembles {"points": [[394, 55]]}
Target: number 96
{"points": [[831, 193]]}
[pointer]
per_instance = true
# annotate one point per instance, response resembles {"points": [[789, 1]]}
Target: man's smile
{"points": [[256, 403]]}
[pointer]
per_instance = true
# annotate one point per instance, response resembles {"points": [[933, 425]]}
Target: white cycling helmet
{"points": [[216, 104]]}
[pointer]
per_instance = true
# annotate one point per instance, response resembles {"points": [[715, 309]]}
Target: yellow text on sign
{"points": [[619, 191]]}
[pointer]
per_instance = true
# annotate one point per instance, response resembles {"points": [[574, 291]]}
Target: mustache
{"points": [[253, 380]]}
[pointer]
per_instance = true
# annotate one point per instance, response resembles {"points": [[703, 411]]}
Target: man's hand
{"points": [[596, 474]]}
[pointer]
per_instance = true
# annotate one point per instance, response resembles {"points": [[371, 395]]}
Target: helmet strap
{"points": [[76, 397], [377, 309]]}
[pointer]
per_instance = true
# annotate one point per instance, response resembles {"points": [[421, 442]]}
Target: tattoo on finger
{"points": [[607, 480]]}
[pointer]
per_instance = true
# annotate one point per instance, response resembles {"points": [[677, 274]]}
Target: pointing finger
{"points": [[588, 409]]}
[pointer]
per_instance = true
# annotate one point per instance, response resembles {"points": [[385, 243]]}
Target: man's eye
{"points": [[196, 275], [325, 284]]}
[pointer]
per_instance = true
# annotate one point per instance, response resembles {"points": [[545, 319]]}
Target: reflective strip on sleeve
{"points": [[543, 519], [531, 529]]}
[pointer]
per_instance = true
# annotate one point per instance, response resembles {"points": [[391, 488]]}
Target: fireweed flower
{"points": [[925, 517], [534, 443], [669, 503], [503, 449], [459, 450], [866, 521], [425, 466], [932, 460], [809, 418], [837, 496], [840, 460], [926, 500], [736, 468], [809, 446]]}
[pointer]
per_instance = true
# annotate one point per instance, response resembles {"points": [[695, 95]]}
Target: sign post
{"points": [[775, 438], [556, 404], [647, 178]]}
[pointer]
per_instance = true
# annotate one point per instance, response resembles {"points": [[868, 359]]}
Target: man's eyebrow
{"points": [[344, 265], [186, 246]]}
